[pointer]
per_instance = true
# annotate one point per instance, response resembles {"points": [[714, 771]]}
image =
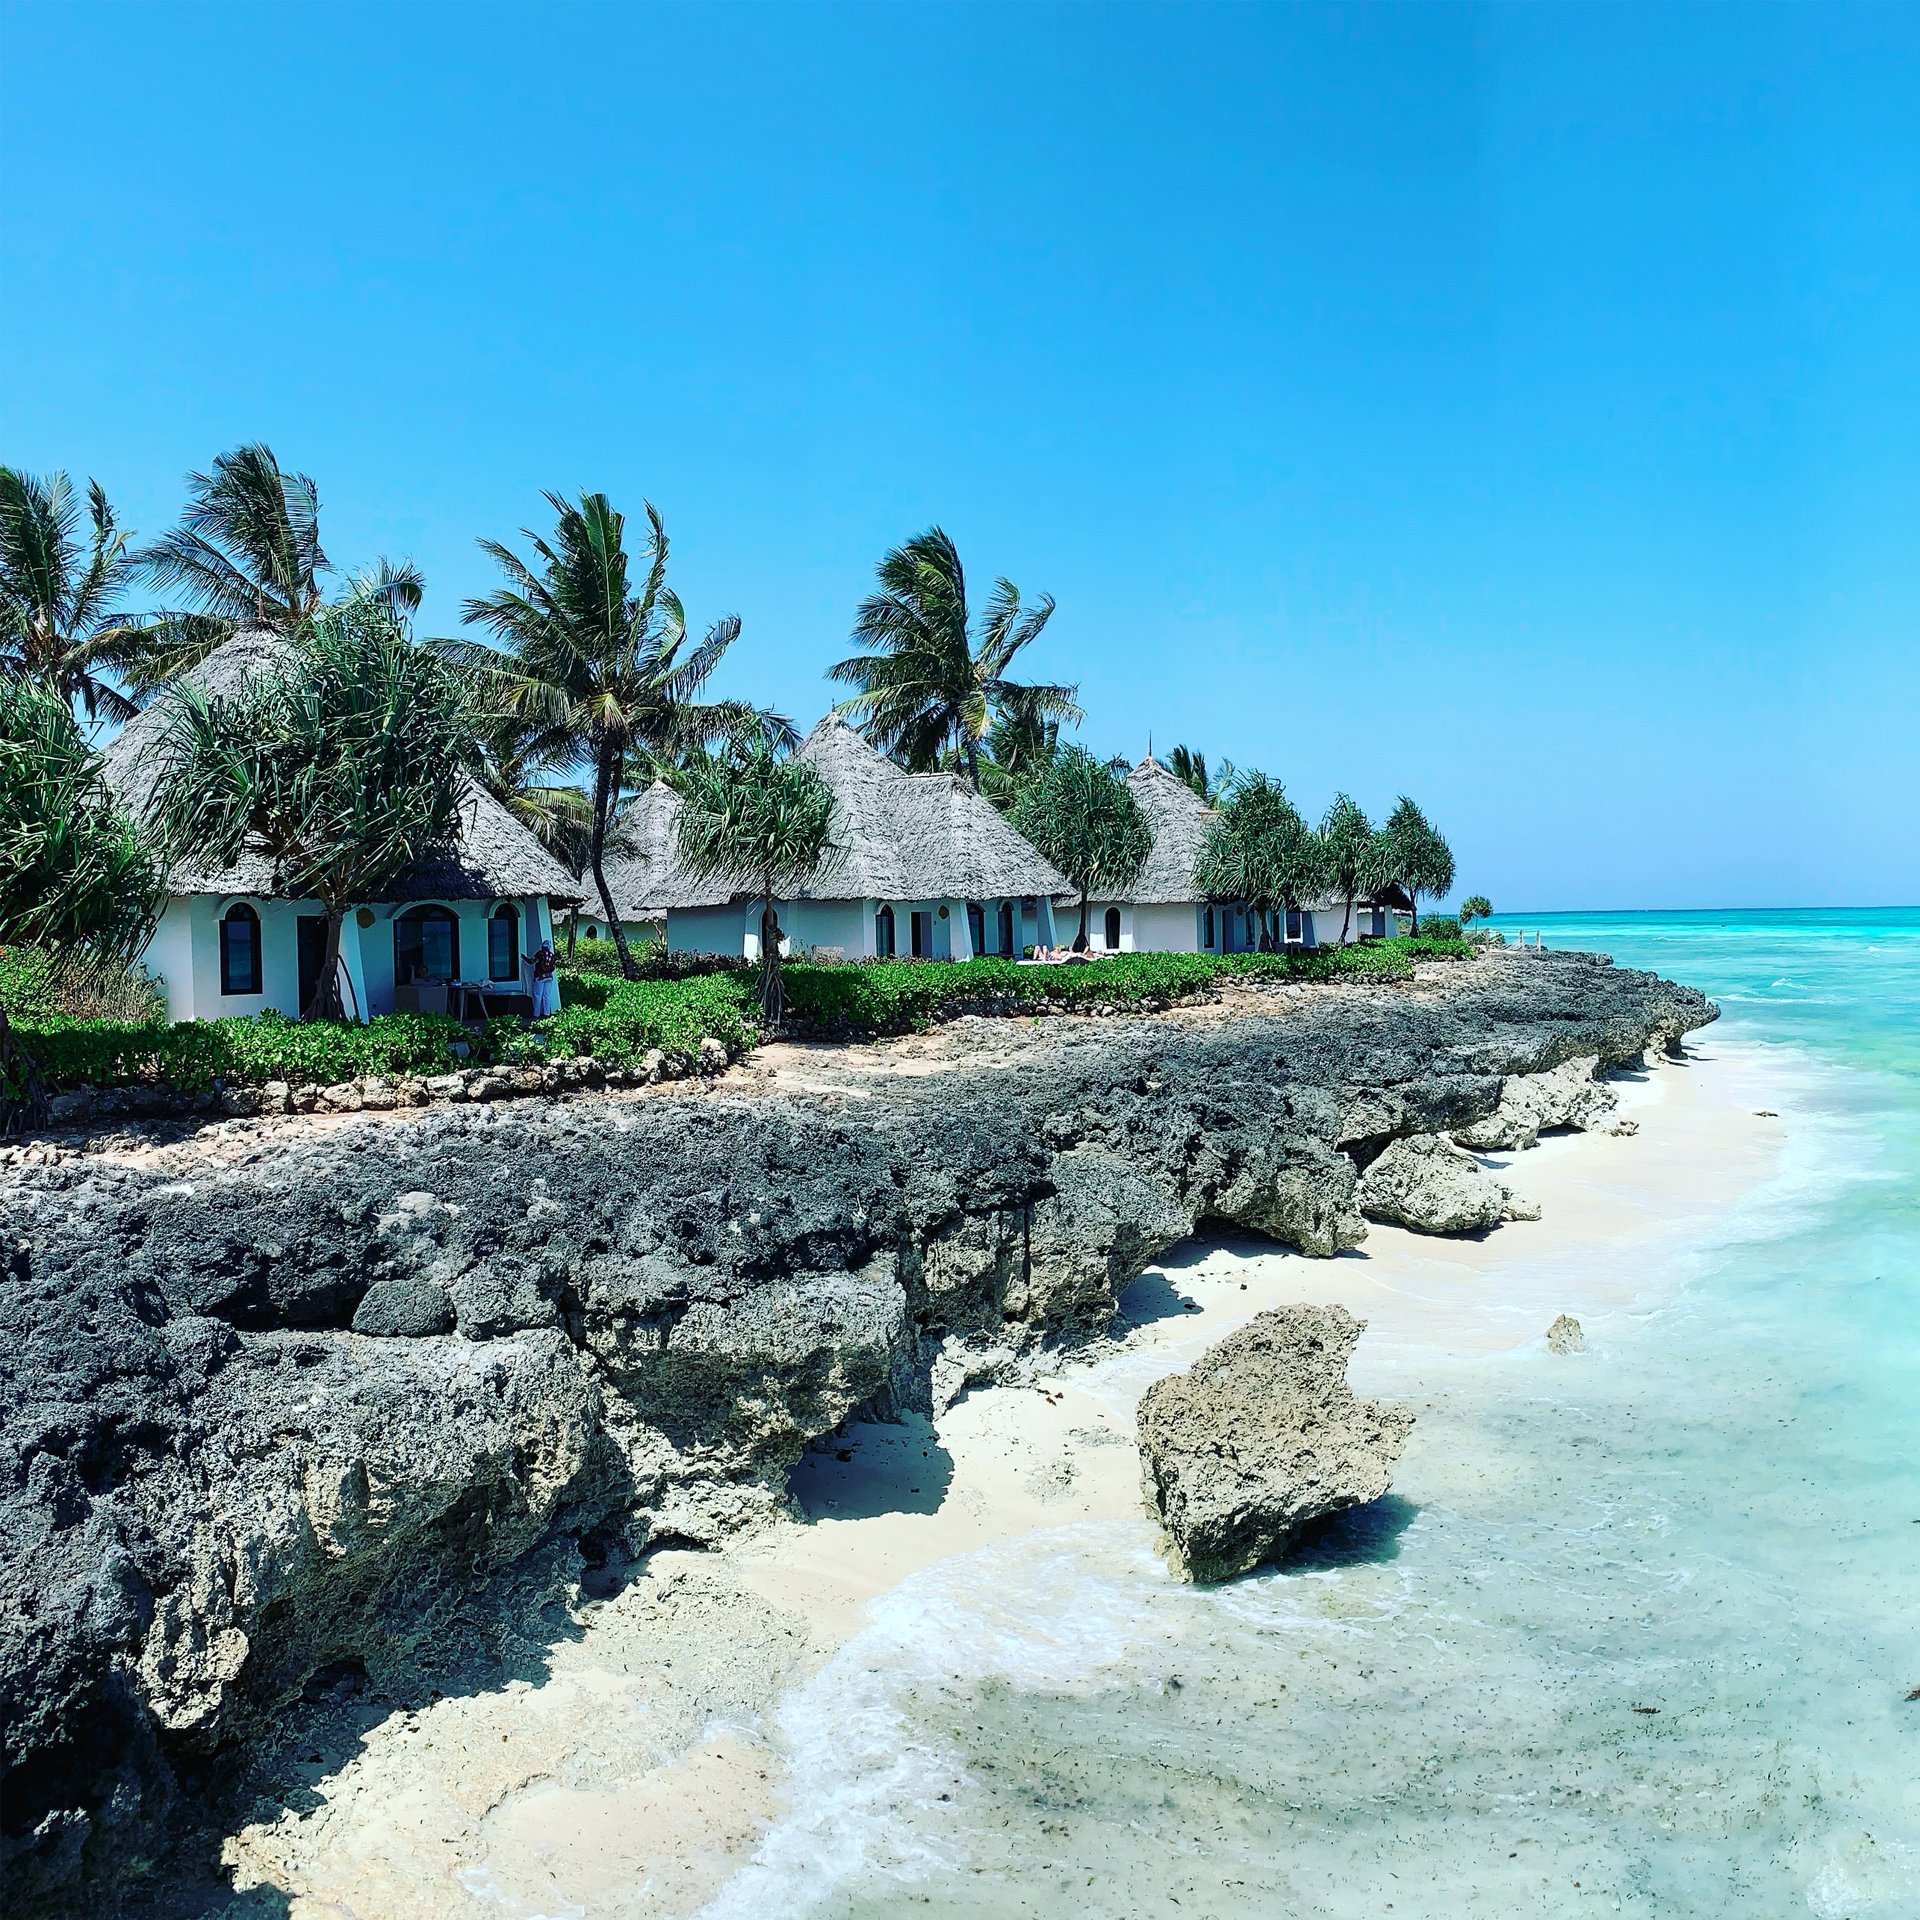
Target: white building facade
{"points": [[921, 867], [231, 942]]}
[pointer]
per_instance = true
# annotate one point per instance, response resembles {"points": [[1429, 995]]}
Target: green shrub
{"points": [[651, 956], [1439, 926], [616, 1020], [32, 990], [247, 1052]]}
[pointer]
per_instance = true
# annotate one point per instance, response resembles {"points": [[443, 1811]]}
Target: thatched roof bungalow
{"points": [[921, 866], [232, 941], [1165, 910]]}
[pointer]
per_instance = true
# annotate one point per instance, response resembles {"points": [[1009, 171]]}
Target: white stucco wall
{"points": [[184, 953]]}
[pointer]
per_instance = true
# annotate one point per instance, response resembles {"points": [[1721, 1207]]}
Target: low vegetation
{"points": [[612, 1019]]}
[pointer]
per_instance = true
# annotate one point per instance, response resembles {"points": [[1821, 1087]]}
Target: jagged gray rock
{"points": [[211, 1487], [1431, 1186], [413, 1308], [1259, 1438], [1567, 1096]]}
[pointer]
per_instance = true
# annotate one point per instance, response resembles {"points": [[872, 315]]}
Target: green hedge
{"points": [[615, 1020]]}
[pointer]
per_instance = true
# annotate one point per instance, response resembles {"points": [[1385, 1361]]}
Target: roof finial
{"points": [[1149, 746]]}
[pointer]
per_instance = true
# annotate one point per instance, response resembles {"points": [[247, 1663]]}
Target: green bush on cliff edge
{"points": [[618, 1020]]}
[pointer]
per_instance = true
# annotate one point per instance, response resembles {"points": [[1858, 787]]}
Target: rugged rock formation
{"points": [[1426, 1183], [238, 1449], [1566, 1336], [1259, 1438], [1565, 1097]]}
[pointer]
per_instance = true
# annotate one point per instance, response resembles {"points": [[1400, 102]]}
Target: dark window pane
{"points": [[240, 951], [503, 945]]}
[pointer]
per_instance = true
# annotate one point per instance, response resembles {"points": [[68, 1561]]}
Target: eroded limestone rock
{"points": [[1261, 1437], [1426, 1183], [1565, 1097]]}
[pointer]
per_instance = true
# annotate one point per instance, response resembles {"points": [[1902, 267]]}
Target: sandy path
{"points": [[636, 1776]]}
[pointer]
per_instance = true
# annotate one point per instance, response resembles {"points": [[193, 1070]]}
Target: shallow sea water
{"points": [[1633, 1636]]}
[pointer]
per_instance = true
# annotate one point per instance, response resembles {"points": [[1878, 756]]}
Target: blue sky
{"points": [[1515, 406]]}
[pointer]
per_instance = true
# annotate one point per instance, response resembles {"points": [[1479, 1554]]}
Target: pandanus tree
{"points": [[1417, 856], [75, 882], [1262, 853], [1354, 855], [762, 820], [63, 624], [1083, 817], [1476, 906], [247, 553], [600, 672], [345, 764], [932, 679]]}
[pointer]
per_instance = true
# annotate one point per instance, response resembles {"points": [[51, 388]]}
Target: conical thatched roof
{"points": [[493, 856], [1179, 819], [897, 836], [639, 877]]}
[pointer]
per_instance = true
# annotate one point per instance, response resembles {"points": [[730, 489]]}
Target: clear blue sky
{"points": [[1518, 406]]}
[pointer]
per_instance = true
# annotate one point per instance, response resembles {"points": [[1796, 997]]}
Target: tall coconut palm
{"points": [[932, 681], [62, 625], [75, 881], [596, 670], [1190, 769], [247, 553]]}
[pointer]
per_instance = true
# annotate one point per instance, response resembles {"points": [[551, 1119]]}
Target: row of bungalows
{"points": [[234, 941], [924, 868], [921, 867]]}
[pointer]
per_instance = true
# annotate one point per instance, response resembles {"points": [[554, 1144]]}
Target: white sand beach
{"points": [[636, 1773]]}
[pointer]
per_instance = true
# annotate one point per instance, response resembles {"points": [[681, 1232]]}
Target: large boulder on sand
{"points": [[1426, 1183], [1261, 1436], [1535, 1103]]}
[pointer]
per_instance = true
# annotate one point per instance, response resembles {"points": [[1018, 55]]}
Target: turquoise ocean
{"points": [[1634, 1635]]}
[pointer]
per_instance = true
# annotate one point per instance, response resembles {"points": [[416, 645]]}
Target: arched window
{"points": [[1007, 942], [883, 933], [1113, 929], [426, 945], [1207, 938], [240, 950], [503, 943], [977, 926]]}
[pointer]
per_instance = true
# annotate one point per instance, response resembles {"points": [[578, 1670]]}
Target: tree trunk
{"points": [[573, 929], [1080, 938], [326, 1003], [1413, 897], [1346, 920], [605, 786], [23, 1095], [773, 991], [973, 762]]}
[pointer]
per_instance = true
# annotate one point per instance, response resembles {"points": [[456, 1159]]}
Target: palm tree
{"points": [[1262, 852], [75, 881], [247, 553], [754, 814], [1083, 817], [61, 624], [346, 766], [1190, 769], [930, 683], [1418, 856], [1476, 906], [1354, 854], [597, 671]]}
